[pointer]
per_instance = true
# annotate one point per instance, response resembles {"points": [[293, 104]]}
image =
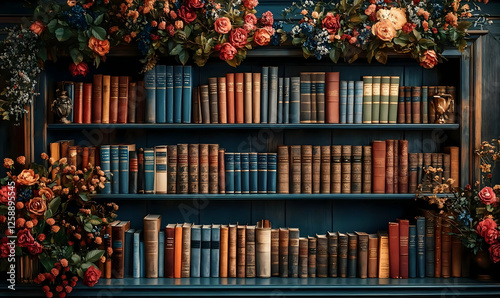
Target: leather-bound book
{"points": [[232, 249], [152, 224], [440, 165], [408, 103], [196, 112], [312, 252], [420, 168], [437, 245], [393, 99], [182, 169], [93, 157], [118, 257], [372, 256], [87, 103], [222, 99], [376, 99], [213, 99], [295, 169], [362, 266], [389, 166], [97, 98], [385, 91], [412, 172], [140, 103], [140, 169], [446, 167], [73, 156], [213, 171], [205, 104], [451, 90], [230, 98], [336, 169], [194, 168], [383, 252], [454, 164], [206, 240], [272, 160], [456, 256], [78, 103], [123, 99], [283, 252], [401, 105], [283, 170], [250, 251], [332, 97], [132, 102], [254, 173], [430, 217], [367, 169], [378, 169], [346, 168], [186, 250], [85, 157], [256, 97], [306, 170], [108, 243], [106, 92], [169, 250], [160, 107], [178, 251], [275, 252], [293, 252], [247, 97], [394, 249], [320, 97], [172, 169], [421, 246], [316, 169], [352, 255], [204, 167], [161, 169], [224, 250], [133, 172], [404, 236], [416, 99], [263, 251], [240, 250], [395, 166], [215, 250], [321, 256], [325, 178], [239, 97], [305, 97], [342, 260], [303, 256], [356, 169], [403, 166], [446, 248], [113, 99], [222, 172], [333, 241]]}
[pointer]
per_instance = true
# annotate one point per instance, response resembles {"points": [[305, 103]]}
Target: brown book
{"points": [[113, 99], [230, 98], [87, 103], [378, 169], [205, 104], [182, 169], [316, 169], [240, 250], [427, 164], [446, 166], [320, 97], [73, 156], [283, 252], [403, 166], [123, 99], [108, 243], [346, 168], [152, 225], [305, 99], [412, 172], [401, 105], [178, 251], [362, 254], [395, 167], [404, 237], [186, 250], [231, 265], [85, 157], [437, 164], [394, 249], [408, 110], [437, 246], [92, 157], [306, 160], [352, 255], [456, 256], [325, 169], [333, 244], [383, 251], [356, 169], [342, 254], [118, 256], [250, 251], [389, 166], [169, 250], [416, 96], [262, 251], [204, 167], [303, 256], [224, 251], [172, 169], [222, 172], [213, 168], [367, 169], [256, 97], [97, 98], [295, 169], [372, 256], [321, 256], [64, 150], [239, 101], [247, 97], [140, 103], [132, 102], [452, 114], [275, 252], [196, 112], [283, 170], [55, 153], [446, 248], [332, 97], [213, 99], [336, 169], [432, 110], [106, 89], [222, 99], [454, 164], [293, 252], [194, 168], [311, 265], [78, 103]]}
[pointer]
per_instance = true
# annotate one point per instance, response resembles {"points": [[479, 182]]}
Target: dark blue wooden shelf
{"points": [[252, 287], [73, 126]]}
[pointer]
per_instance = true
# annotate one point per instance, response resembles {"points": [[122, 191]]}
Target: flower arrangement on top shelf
{"points": [[56, 223], [474, 211], [349, 28]]}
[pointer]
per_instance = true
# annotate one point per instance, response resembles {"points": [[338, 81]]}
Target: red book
{"points": [[78, 105], [85, 157], [378, 164], [332, 97], [230, 97], [97, 99], [395, 167], [403, 167], [389, 166], [404, 233], [87, 103], [113, 99], [394, 249], [123, 99], [169, 250], [238, 97]]}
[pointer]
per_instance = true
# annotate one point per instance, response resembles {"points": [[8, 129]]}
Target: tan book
{"points": [[383, 250], [283, 170], [263, 251], [306, 161], [316, 169], [283, 251], [247, 97], [232, 251], [106, 92], [250, 251], [186, 250], [303, 256], [455, 164], [152, 224], [256, 97], [295, 169], [224, 250], [336, 169], [240, 250], [325, 169], [204, 169], [222, 101], [372, 256], [275, 252]]}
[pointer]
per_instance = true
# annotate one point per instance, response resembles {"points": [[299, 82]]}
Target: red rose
{"points": [[171, 30], [80, 69], [491, 236], [267, 18], [408, 27], [485, 225], [250, 19], [488, 196], [4, 248], [262, 37], [35, 248], [154, 37], [495, 252], [222, 25], [4, 195], [227, 51], [250, 4], [37, 27], [195, 4], [24, 238], [331, 23], [186, 14], [434, 30], [91, 276], [429, 59], [238, 37]]}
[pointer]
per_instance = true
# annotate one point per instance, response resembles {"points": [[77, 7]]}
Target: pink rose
{"points": [[250, 19], [238, 37], [222, 25], [495, 252], [250, 4], [488, 196], [267, 18], [186, 14], [227, 51], [4, 248], [24, 238], [195, 4], [429, 59], [331, 23], [484, 226], [491, 236], [249, 27], [371, 9]]}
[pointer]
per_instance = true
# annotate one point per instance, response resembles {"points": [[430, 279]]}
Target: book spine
{"points": [[332, 97], [215, 252], [204, 159], [195, 270], [237, 173], [250, 251], [446, 249], [224, 251], [273, 94], [222, 172], [389, 166], [87, 103], [275, 252], [394, 249], [456, 257], [429, 243], [123, 99], [140, 103], [280, 101], [403, 248], [378, 170], [205, 104], [336, 169], [106, 168], [286, 100], [178, 82], [178, 251], [240, 251], [320, 97], [132, 102], [303, 257], [151, 229], [169, 251], [229, 166], [194, 168], [395, 166], [367, 99], [306, 169], [253, 170], [372, 256], [182, 168], [316, 169], [332, 254], [136, 270], [232, 248], [124, 170], [412, 252], [431, 109], [212, 88], [321, 256], [78, 103], [346, 168], [325, 169], [256, 77], [293, 253], [352, 255], [425, 104], [313, 97], [150, 88], [161, 180], [412, 172], [239, 98], [362, 268], [187, 85], [118, 257], [393, 100], [350, 102], [283, 252], [421, 247], [367, 169], [149, 170], [264, 94], [247, 97], [170, 94], [403, 167], [452, 114], [213, 168], [356, 169], [416, 93], [437, 246], [230, 98], [295, 169], [161, 253], [222, 99], [186, 251], [161, 93], [305, 97], [96, 98], [376, 99], [140, 169], [263, 251], [172, 169], [358, 102], [401, 105], [294, 100], [311, 256], [272, 160], [385, 89], [262, 172], [245, 173], [115, 170], [408, 104], [283, 170]]}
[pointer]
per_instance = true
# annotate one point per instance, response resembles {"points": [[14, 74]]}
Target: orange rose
{"points": [[49, 194], [100, 47], [37, 27], [7, 163], [21, 160], [451, 19], [262, 37], [71, 3], [50, 221], [36, 206], [222, 25], [55, 229], [162, 25], [425, 25], [429, 59], [384, 30], [113, 29], [27, 177]]}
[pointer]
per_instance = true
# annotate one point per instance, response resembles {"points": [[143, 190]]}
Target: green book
{"points": [[393, 100], [385, 88], [367, 99], [376, 99]]}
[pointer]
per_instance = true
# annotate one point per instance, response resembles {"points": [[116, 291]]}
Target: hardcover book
{"points": [[151, 230]]}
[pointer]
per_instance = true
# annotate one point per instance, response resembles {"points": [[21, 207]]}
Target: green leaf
{"points": [[63, 34], [84, 196], [48, 214], [355, 19], [79, 272], [76, 259], [87, 265], [54, 204], [89, 18], [187, 30], [176, 50], [297, 40], [99, 19], [381, 57], [88, 226], [94, 255], [99, 32], [183, 56], [334, 56], [417, 34], [52, 25], [464, 25], [47, 263]]}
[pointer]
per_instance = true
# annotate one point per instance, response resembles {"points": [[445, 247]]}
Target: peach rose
{"points": [[100, 47], [21, 160], [49, 194], [423, 12], [222, 25], [451, 19], [262, 37], [20, 222], [371, 9], [250, 4], [50, 221], [71, 3], [384, 30], [64, 262], [227, 51], [27, 177], [238, 37], [7, 163], [429, 59], [36, 206], [425, 25], [179, 25], [55, 229], [37, 27], [250, 19], [162, 25], [398, 17]]}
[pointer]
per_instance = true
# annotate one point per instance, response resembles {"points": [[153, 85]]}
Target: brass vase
{"points": [[62, 106], [442, 104]]}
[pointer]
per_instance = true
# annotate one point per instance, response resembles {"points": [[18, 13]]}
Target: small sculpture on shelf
{"points": [[444, 106], [62, 106]]}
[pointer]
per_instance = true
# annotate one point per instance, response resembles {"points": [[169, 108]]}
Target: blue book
{"points": [[295, 100], [286, 100], [237, 173], [161, 254], [264, 94], [149, 170], [178, 93], [229, 166], [150, 87], [142, 256], [421, 247], [106, 168], [273, 94], [124, 161], [115, 169], [280, 100], [195, 250], [272, 159], [262, 170], [358, 102], [136, 267], [343, 102], [412, 252], [128, 253], [214, 251], [161, 93], [429, 243], [350, 102], [170, 94], [245, 172], [206, 236], [401, 105], [425, 107], [187, 86], [252, 161]]}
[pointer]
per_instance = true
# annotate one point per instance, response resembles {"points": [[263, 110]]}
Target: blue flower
{"points": [[75, 17], [24, 194], [306, 28], [143, 40], [464, 218]]}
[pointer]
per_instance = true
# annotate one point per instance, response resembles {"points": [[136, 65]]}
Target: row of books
{"points": [[423, 249]]}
